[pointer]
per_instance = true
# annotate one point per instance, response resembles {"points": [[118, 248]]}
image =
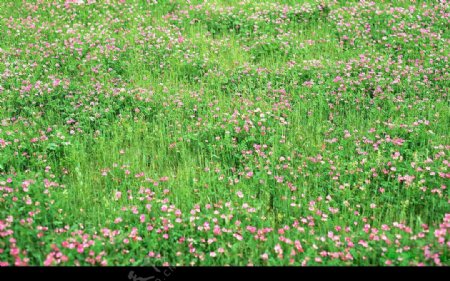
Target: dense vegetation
{"points": [[224, 132]]}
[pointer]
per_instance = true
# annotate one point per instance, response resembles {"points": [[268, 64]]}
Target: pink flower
{"points": [[238, 236], [363, 243], [14, 251], [49, 260], [298, 246], [337, 79], [252, 229], [398, 141], [278, 249], [216, 230]]}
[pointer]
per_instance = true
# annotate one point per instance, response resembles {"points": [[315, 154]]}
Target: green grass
{"points": [[229, 114]]}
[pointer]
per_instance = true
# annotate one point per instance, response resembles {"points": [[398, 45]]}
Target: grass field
{"points": [[224, 132]]}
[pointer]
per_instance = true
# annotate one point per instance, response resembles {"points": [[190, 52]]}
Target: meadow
{"points": [[224, 133]]}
